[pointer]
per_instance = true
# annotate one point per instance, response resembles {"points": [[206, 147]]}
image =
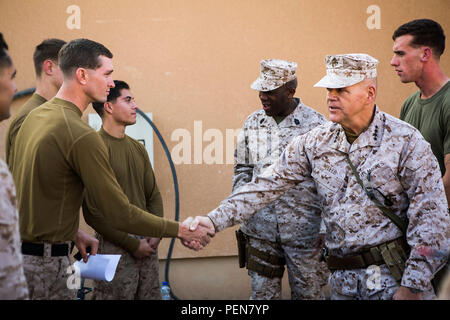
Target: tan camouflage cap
{"points": [[345, 70], [274, 74]]}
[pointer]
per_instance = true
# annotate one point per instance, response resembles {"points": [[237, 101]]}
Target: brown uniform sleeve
{"points": [[117, 237], [90, 160]]}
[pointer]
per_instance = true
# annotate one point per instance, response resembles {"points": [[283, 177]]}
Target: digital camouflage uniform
{"points": [[12, 279], [391, 157], [48, 277], [135, 279], [401, 166], [287, 227]]}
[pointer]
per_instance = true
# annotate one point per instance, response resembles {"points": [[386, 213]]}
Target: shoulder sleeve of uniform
{"points": [[416, 152], [290, 169], [428, 220], [251, 118]]}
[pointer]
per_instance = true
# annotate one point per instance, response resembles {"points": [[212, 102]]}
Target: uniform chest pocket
{"points": [[382, 183], [328, 183]]}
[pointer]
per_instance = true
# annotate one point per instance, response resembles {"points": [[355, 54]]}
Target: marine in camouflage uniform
{"points": [[286, 229], [394, 161], [12, 279]]}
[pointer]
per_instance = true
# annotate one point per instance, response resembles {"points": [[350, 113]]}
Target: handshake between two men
{"points": [[196, 233]]}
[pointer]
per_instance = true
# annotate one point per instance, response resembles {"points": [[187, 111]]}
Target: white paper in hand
{"points": [[99, 267]]}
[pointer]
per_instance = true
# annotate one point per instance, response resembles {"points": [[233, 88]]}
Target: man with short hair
{"points": [[383, 200], [12, 279], [56, 157], [48, 82], [137, 274], [418, 46], [284, 232]]}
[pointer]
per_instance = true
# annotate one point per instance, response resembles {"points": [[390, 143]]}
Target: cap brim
{"points": [[261, 85], [335, 82]]}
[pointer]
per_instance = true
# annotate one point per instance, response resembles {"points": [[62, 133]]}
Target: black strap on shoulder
{"points": [[385, 210]]}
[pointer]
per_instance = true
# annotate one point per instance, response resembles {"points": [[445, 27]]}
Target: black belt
{"points": [[37, 249], [366, 258]]}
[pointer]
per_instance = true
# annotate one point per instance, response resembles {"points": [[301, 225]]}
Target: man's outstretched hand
{"points": [[196, 233], [200, 224]]}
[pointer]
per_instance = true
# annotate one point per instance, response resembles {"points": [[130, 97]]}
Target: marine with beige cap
{"points": [[394, 168], [284, 232]]}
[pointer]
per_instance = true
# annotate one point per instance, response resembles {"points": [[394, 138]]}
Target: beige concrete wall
{"points": [[194, 60]]}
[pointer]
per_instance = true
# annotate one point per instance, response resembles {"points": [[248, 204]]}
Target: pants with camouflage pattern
{"points": [[135, 279], [47, 277], [306, 274], [373, 283], [13, 284]]}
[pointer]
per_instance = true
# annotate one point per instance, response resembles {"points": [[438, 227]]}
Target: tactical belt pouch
{"points": [[247, 256], [395, 254], [242, 248], [392, 253], [266, 257], [275, 271], [266, 271]]}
